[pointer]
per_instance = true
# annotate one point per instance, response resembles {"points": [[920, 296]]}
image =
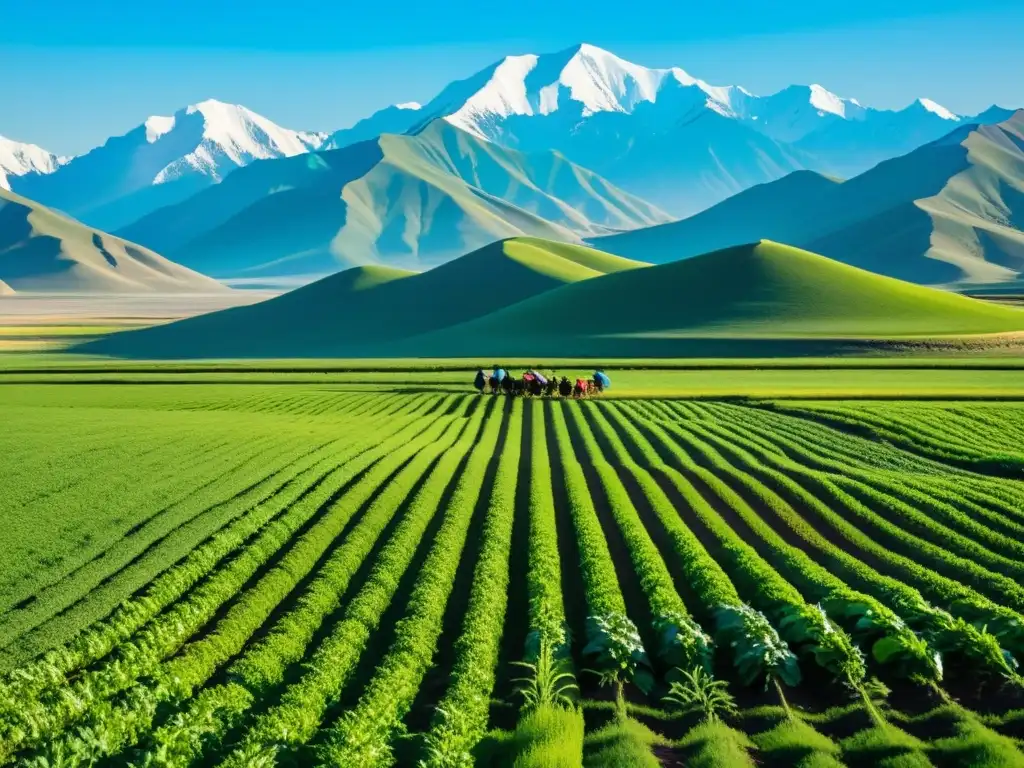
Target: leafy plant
{"points": [[617, 652], [697, 689], [682, 643], [833, 650], [893, 642], [549, 683], [758, 651], [446, 747]]}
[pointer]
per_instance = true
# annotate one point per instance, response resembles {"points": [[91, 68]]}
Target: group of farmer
{"points": [[535, 384]]}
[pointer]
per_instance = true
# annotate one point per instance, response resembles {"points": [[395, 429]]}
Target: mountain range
{"points": [[661, 134], [667, 136], [568, 146], [948, 213], [527, 298], [162, 161], [409, 201]]}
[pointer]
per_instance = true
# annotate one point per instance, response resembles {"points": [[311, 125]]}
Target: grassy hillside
{"points": [[360, 309], [949, 213], [761, 291], [405, 201], [44, 251], [773, 211]]}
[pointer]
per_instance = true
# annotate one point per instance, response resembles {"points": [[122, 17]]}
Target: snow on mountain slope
{"points": [[583, 80], [659, 133], [796, 111], [847, 148], [162, 161], [232, 136], [19, 159], [586, 80]]}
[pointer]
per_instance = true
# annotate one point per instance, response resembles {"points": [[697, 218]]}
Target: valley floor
{"points": [[221, 566], [33, 322]]}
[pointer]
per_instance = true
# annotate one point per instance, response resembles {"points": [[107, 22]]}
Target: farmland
{"points": [[349, 568]]}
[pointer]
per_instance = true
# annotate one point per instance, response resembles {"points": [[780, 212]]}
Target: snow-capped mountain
{"points": [[665, 134], [19, 159], [847, 148], [586, 80], [798, 110], [162, 161], [582, 81]]}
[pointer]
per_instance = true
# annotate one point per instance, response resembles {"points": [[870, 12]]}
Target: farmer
{"points": [[601, 381], [480, 381]]}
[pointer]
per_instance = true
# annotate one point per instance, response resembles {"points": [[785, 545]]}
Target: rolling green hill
{"points": [[360, 310], [405, 201], [760, 291], [773, 211], [44, 251], [949, 213]]}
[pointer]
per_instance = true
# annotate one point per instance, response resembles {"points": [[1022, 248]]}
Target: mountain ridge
{"points": [[949, 213], [48, 252], [404, 200], [161, 161]]}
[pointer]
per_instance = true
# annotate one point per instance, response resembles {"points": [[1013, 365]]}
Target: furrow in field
{"points": [[104, 566], [294, 720], [876, 516], [214, 711], [477, 647], [817, 525], [173, 628], [994, 502], [925, 512], [756, 581], [279, 490]]}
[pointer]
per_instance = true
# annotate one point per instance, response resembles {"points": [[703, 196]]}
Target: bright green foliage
{"points": [[622, 743], [794, 742], [716, 745], [758, 651], [697, 690], [616, 651], [263, 575], [549, 737], [549, 683]]}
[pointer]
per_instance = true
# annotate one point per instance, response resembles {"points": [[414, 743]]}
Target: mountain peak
{"points": [[936, 109], [228, 130], [824, 100], [409, 105], [19, 159], [158, 125]]}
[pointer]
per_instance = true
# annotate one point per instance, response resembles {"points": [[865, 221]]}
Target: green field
{"points": [[292, 567]]}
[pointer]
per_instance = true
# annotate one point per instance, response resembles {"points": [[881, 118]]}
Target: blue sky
{"points": [[75, 72]]}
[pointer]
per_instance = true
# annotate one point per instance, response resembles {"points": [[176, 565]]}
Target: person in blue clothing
{"points": [[601, 381], [496, 378]]}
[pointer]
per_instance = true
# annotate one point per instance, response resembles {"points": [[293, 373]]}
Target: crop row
{"points": [[298, 713], [90, 693], [264, 663], [362, 736], [863, 571], [249, 513]]}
